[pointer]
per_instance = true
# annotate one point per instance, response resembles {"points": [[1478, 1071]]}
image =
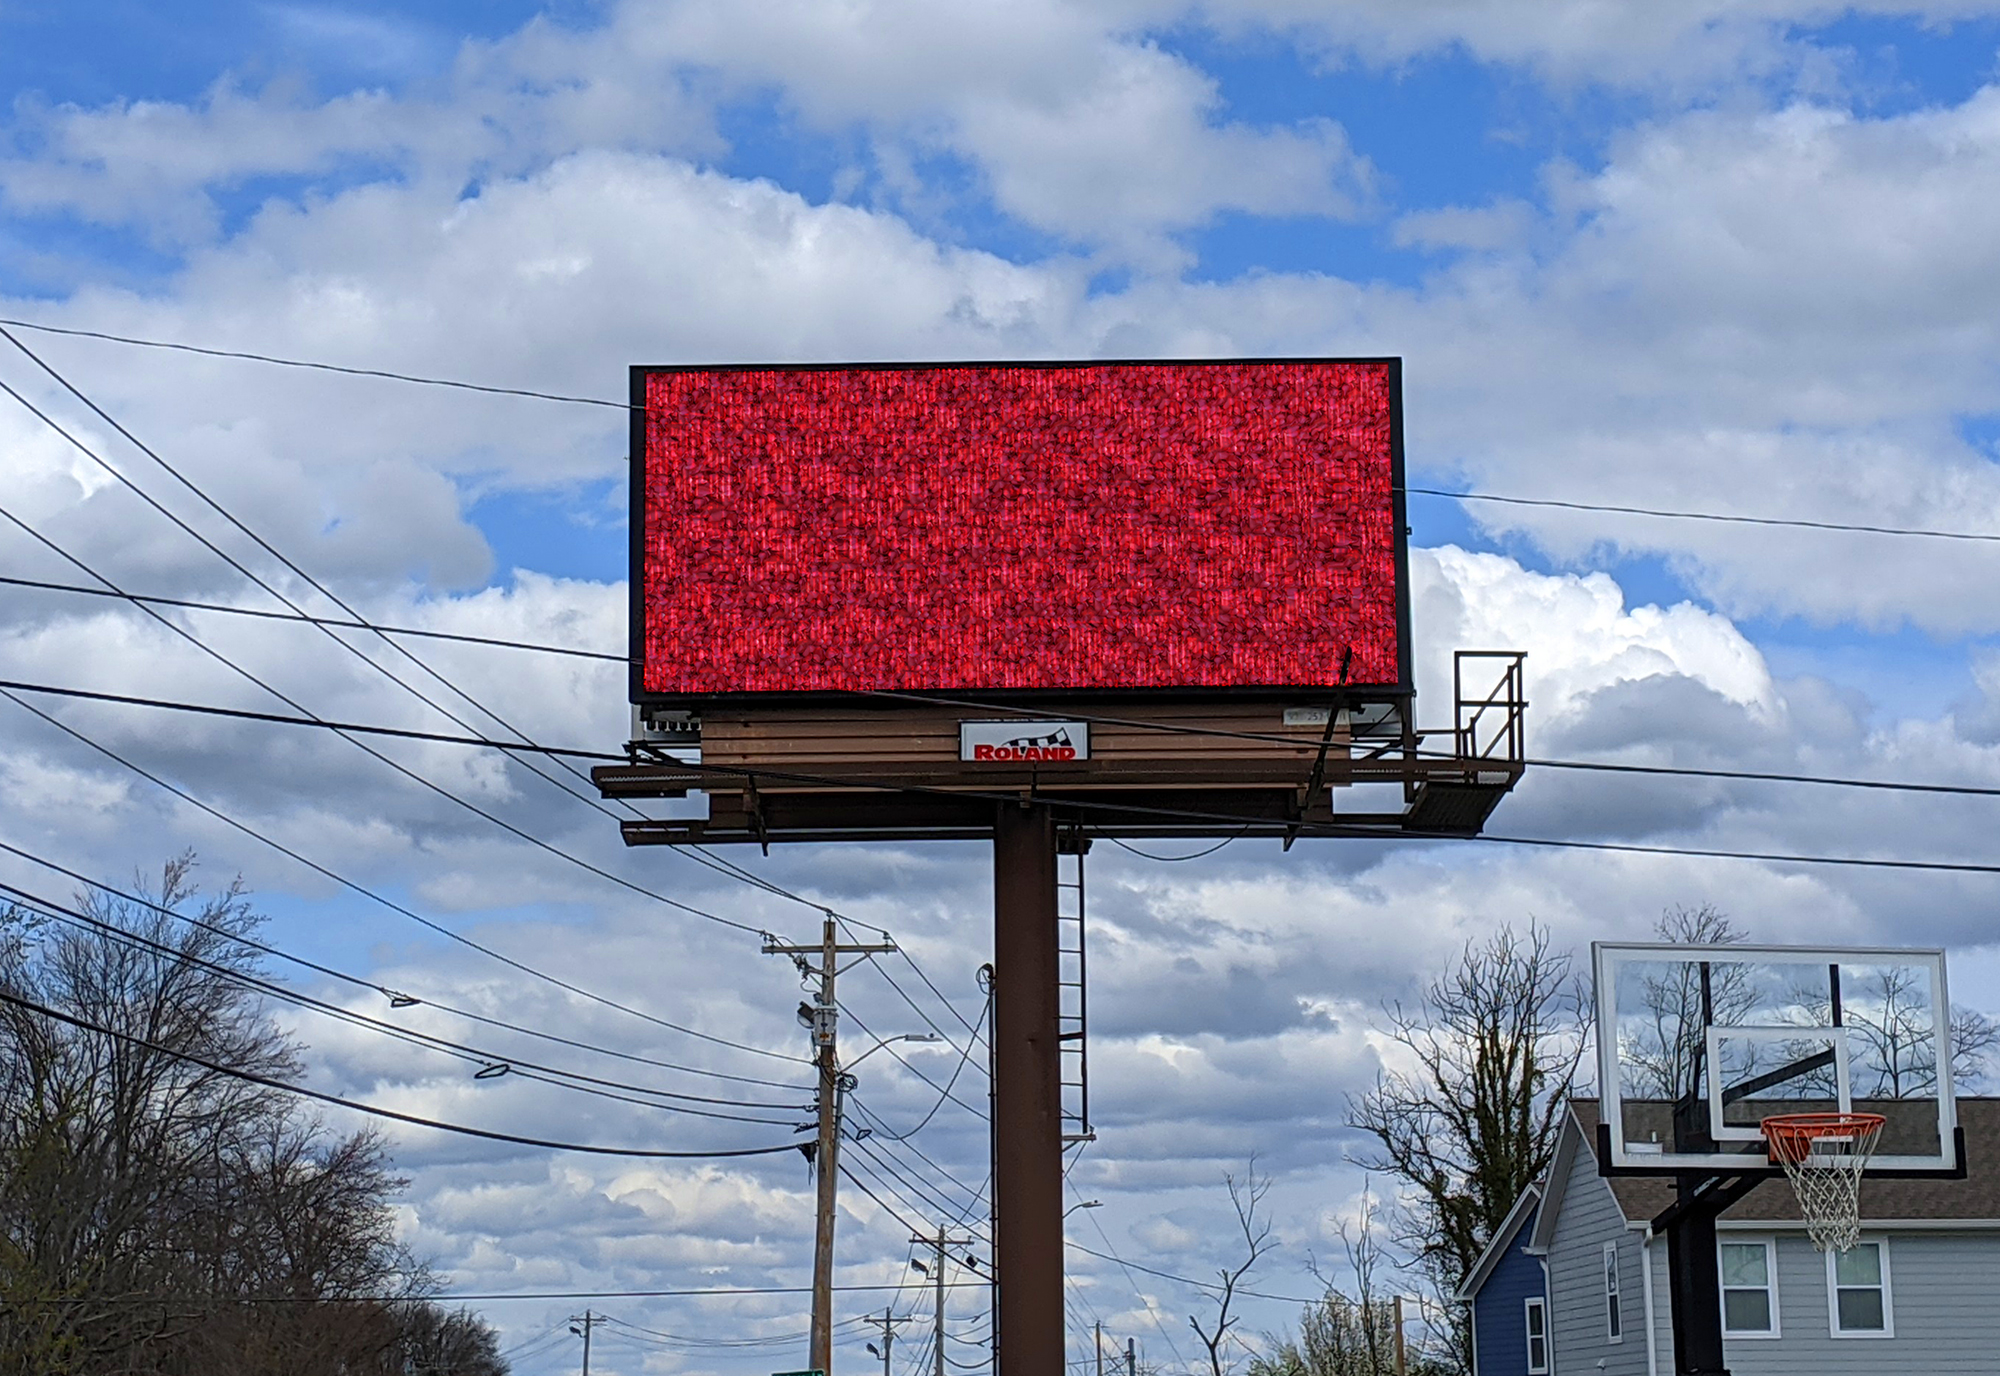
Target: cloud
{"points": [[1673, 45], [1677, 327]]}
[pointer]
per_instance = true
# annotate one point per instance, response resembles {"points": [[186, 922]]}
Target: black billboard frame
{"points": [[1355, 693]]}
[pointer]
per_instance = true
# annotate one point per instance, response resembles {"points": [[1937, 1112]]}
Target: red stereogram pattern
{"points": [[987, 527]]}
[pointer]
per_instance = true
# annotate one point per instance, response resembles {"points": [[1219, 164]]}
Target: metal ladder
{"points": [[1072, 993]]}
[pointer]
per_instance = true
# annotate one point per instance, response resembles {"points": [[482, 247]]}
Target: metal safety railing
{"points": [[1491, 726]]}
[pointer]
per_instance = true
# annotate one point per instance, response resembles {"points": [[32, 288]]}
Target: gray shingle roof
{"points": [[1975, 1197]]}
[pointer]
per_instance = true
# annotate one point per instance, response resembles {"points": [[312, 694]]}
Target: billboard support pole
{"points": [[1027, 1095]]}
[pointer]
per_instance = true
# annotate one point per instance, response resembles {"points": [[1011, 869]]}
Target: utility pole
{"points": [[943, 1240], [1402, 1362], [887, 1323], [825, 1024], [589, 1321], [1131, 1357], [1100, 1347]]}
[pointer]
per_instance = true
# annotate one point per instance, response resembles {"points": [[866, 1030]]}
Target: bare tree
{"points": [[159, 1215], [1246, 1196], [1490, 1053], [1350, 1333], [1662, 1059], [1892, 1027]]}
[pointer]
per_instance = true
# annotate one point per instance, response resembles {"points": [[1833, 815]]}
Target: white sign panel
{"points": [[1023, 742]]}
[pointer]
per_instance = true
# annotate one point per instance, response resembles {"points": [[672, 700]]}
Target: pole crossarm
{"points": [[939, 1243]]}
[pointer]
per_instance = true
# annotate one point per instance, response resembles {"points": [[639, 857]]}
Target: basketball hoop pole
{"points": [[1694, 1277], [1694, 1281]]}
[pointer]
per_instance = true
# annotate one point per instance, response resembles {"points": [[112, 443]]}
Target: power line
{"points": [[1353, 832], [862, 1185], [1184, 1280], [595, 803], [964, 1059], [890, 1144], [376, 1110], [398, 997], [400, 768], [1125, 1269], [1304, 828], [487, 743], [338, 623], [395, 907], [453, 1297], [475, 1055], [1540, 762], [160, 460], [1716, 516], [278, 718], [316, 366], [1609, 508], [928, 1197], [900, 1060]]}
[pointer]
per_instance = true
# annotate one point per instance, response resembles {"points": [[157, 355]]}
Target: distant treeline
{"points": [[158, 1218]]}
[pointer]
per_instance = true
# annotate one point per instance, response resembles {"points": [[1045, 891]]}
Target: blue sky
{"points": [[1702, 255]]}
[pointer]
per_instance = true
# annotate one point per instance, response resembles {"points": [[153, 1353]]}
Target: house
{"points": [[1507, 1295], [1920, 1293]]}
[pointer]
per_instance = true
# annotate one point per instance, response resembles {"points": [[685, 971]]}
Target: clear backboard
{"points": [[1697, 1045]]}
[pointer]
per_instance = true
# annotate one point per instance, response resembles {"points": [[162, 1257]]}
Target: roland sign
{"points": [[1023, 742]]}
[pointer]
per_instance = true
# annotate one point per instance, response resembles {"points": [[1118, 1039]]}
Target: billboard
{"points": [[1018, 529]]}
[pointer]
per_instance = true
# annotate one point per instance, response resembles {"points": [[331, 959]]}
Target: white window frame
{"points": [[1535, 1304], [1833, 1328], [1770, 1246], [1614, 1297]]}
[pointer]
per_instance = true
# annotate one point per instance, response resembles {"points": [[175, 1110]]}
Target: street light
{"points": [[1083, 1204], [904, 1037]]}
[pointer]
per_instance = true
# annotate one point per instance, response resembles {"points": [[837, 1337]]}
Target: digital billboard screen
{"points": [[1018, 528]]}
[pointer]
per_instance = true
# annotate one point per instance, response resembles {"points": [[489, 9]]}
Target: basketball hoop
{"points": [[1824, 1155]]}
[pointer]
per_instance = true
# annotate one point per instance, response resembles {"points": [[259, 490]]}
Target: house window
{"points": [[1614, 1318], [1857, 1283], [1749, 1294], [1538, 1336]]}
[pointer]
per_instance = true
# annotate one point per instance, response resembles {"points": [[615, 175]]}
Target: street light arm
{"points": [[905, 1037]]}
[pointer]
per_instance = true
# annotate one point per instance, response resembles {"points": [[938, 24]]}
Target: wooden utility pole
{"points": [[887, 1323], [943, 1240], [1131, 1357], [1402, 1362], [1100, 1347], [589, 1321], [826, 1155]]}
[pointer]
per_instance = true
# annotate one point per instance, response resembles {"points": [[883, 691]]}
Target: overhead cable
{"points": [[1184, 814], [397, 997], [376, 1110], [513, 1065], [278, 718], [1180, 728], [303, 618], [314, 366], [964, 1059], [277, 593], [1609, 508], [396, 765], [430, 924]]}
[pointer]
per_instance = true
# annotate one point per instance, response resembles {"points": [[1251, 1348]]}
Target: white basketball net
{"points": [[1825, 1168]]}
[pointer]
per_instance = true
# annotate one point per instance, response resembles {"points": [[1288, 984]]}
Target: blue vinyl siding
{"points": [[1500, 1316]]}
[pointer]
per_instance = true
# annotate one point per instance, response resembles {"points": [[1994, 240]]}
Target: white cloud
{"points": [[1659, 44], [1676, 329]]}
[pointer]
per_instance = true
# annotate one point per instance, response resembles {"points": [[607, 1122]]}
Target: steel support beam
{"points": [[1027, 1099]]}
